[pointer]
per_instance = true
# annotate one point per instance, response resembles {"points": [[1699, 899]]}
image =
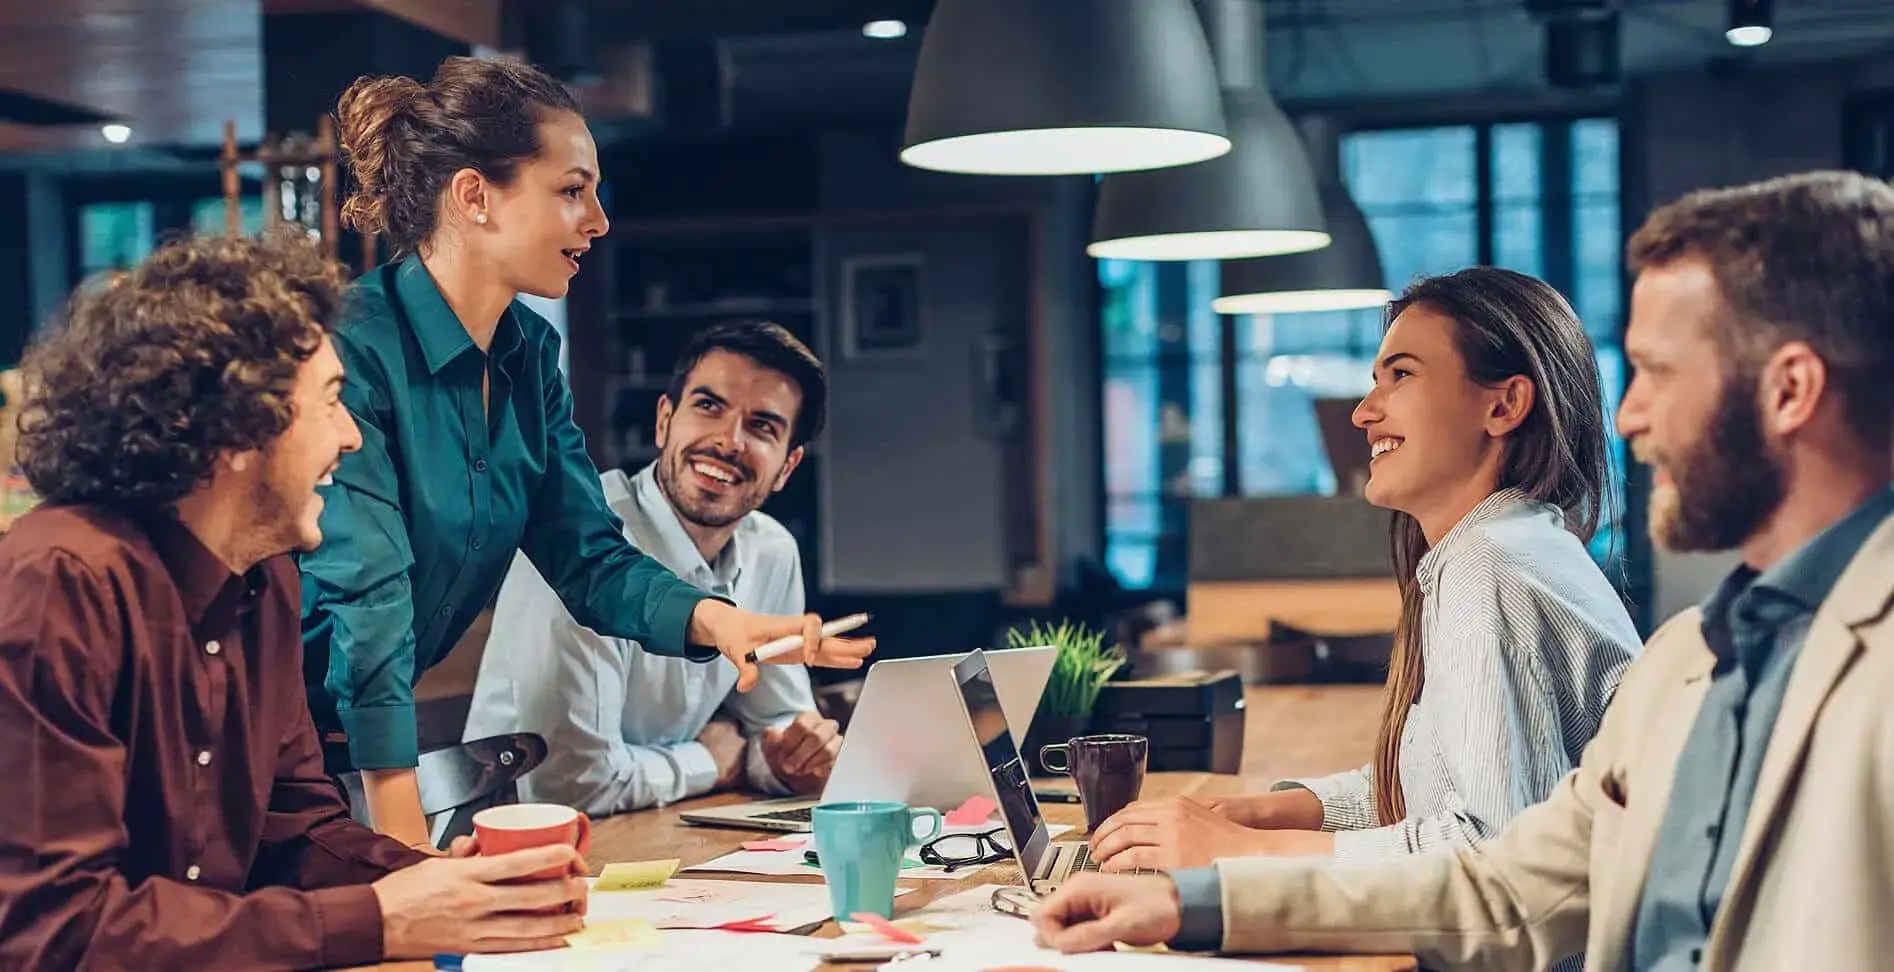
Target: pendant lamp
{"points": [[1063, 87], [1259, 199], [1344, 275]]}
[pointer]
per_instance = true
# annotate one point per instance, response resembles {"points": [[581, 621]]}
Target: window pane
{"points": [[1595, 157], [115, 235], [1404, 167], [1133, 560], [1518, 239], [207, 215], [1599, 288], [1415, 244], [1607, 546], [1128, 308], [1516, 153], [1133, 515], [1131, 430]]}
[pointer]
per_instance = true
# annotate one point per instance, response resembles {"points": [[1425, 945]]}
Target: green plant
{"points": [[1083, 665]]}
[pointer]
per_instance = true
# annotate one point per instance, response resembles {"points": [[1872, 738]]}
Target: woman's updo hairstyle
{"points": [[405, 140]]}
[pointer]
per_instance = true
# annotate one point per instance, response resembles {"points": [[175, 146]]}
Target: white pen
{"points": [[788, 643]]}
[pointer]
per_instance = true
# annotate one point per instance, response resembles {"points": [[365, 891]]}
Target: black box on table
{"points": [[1194, 720]]}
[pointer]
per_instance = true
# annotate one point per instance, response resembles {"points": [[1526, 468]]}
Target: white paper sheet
{"points": [[683, 951], [972, 937], [684, 903], [793, 862]]}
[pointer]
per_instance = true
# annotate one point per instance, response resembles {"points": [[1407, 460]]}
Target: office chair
{"points": [[459, 781]]}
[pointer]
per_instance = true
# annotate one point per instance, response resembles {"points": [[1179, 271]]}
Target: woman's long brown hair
{"points": [[1506, 324]]}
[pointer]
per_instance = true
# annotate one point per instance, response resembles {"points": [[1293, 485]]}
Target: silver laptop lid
{"points": [[1019, 809]]}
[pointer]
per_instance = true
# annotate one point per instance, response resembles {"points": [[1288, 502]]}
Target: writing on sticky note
{"points": [[779, 844], [972, 813], [624, 933], [636, 875]]}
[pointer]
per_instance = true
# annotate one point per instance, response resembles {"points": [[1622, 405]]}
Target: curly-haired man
{"points": [[169, 807]]}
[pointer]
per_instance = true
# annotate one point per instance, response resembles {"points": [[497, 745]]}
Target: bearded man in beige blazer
{"points": [[1736, 809]]}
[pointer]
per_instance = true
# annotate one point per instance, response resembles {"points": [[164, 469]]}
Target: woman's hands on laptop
{"points": [[1186, 832]]}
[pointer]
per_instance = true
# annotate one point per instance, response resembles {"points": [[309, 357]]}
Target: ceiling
{"points": [[175, 70], [176, 67]]}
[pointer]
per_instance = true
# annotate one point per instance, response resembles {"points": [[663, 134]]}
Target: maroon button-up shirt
{"points": [[162, 796]]}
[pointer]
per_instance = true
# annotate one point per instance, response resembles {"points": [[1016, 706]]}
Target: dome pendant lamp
{"points": [[1344, 275], [1258, 200], [1063, 87]]}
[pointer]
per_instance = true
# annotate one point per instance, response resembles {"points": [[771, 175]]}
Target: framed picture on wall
{"points": [[881, 306]]}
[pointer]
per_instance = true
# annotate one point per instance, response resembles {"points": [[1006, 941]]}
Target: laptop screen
{"points": [[1011, 786]]}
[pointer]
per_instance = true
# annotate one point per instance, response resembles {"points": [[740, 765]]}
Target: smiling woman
{"points": [[486, 181]]}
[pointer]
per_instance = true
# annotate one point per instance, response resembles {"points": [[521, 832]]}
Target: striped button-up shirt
{"points": [[1523, 641]]}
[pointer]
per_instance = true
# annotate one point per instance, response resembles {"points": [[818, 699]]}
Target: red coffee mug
{"points": [[518, 826]]}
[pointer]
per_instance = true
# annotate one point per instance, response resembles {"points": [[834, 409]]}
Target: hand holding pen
{"points": [[751, 639]]}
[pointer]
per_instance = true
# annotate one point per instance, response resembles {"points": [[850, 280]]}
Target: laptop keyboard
{"points": [[1082, 861], [798, 815]]}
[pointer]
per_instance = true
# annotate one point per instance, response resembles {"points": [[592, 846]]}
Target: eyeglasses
{"points": [[955, 851], [1015, 902]]}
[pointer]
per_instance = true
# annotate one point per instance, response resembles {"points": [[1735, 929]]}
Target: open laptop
{"points": [[1046, 864], [905, 741]]}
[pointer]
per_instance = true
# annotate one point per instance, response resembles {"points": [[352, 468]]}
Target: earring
{"points": [[481, 219]]}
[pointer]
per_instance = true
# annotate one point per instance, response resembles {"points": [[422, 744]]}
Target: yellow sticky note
{"points": [[636, 875], [624, 933]]}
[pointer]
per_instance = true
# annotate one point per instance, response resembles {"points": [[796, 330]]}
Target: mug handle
{"points": [[1064, 752], [923, 813], [585, 834]]}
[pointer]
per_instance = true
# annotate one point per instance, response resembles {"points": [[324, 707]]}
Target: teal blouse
{"points": [[421, 524]]}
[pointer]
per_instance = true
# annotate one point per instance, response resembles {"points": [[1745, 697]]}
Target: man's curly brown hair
{"points": [[191, 354]]}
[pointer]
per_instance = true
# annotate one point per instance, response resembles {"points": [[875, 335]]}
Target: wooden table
{"points": [[1290, 731]]}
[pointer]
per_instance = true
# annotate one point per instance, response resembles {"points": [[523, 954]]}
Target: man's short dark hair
{"points": [[1806, 257], [772, 346], [151, 375]]}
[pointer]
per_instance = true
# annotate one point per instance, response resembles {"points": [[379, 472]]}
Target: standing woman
{"points": [[485, 180], [1487, 430]]}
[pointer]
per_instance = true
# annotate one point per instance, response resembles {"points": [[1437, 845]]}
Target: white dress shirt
{"points": [[621, 724], [1523, 642]]}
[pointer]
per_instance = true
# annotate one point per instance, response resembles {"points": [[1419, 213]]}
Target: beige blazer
{"points": [[1813, 885]]}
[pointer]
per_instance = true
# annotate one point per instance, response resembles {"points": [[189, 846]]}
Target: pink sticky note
{"points": [[972, 813], [888, 929], [778, 844]]}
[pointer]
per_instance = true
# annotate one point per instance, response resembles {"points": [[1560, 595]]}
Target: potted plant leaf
{"points": [[1081, 667]]}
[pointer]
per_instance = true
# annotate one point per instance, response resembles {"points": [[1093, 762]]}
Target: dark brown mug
{"points": [[1108, 768]]}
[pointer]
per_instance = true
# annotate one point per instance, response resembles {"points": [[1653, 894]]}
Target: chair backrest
{"points": [[459, 781]]}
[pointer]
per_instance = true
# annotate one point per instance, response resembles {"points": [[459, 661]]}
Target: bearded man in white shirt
{"points": [[627, 729]]}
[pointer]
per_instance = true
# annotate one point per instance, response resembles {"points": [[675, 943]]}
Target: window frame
{"points": [[1560, 266]]}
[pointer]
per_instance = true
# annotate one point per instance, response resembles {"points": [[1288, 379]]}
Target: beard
{"points": [[744, 497], [1725, 485]]}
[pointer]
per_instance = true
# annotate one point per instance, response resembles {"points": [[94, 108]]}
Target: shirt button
{"points": [[479, 542], [203, 757], [212, 647], [447, 609], [1711, 831], [1696, 956], [480, 465], [191, 873]]}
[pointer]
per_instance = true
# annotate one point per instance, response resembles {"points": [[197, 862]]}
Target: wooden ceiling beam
{"points": [[475, 22]]}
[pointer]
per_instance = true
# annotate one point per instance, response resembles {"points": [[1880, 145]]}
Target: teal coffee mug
{"points": [[861, 847]]}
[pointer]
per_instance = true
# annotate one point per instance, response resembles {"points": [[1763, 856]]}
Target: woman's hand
{"points": [[1182, 832], [736, 633]]}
